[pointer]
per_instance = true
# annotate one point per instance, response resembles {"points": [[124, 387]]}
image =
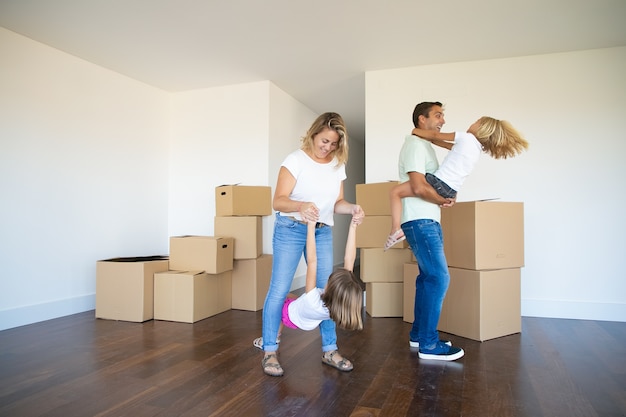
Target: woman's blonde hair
{"points": [[343, 297], [332, 121], [499, 139]]}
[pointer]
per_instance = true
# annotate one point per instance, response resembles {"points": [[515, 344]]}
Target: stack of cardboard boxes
{"points": [[198, 284], [484, 247], [204, 275], [239, 211], [381, 271]]}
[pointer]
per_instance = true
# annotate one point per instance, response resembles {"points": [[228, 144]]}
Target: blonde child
{"points": [[495, 137], [341, 300]]}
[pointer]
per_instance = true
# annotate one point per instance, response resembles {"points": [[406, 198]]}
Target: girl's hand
{"points": [[309, 212], [357, 214]]}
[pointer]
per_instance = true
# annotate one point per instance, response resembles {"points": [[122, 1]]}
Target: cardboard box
{"points": [[484, 235], [210, 254], [242, 200], [410, 274], [380, 266], [247, 232], [374, 198], [125, 287], [189, 296], [482, 305], [373, 233], [251, 280], [383, 299]]}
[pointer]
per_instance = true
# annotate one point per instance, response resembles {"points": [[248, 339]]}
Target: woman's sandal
{"points": [[343, 365], [271, 368], [258, 342], [395, 237]]}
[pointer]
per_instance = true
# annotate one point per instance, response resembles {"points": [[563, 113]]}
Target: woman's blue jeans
{"points": [[426, 240], [289, 243]]}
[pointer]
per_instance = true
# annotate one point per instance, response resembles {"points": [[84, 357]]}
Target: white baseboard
{"points": [[574, 310], [22, 316]]}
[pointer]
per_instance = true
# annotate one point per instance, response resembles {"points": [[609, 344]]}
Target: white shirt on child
{"points": [[308, 310], [460, 161]]}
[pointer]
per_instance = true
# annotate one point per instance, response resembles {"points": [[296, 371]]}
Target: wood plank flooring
{"points": [[82, 366]]}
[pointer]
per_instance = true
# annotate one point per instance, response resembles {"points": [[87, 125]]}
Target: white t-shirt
{"points": [[460, 161], [315, 182], [308, 310]]}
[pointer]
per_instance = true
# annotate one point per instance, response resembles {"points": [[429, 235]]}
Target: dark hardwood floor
{"points": [[82, 366]]}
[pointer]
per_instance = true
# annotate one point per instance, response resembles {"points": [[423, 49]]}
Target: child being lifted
{"points": [[495, 137]]}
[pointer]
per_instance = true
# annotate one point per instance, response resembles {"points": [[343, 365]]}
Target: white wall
{"points": [[218, 136], [83, 176], [571, 108], [228, 135], [94, 165]]}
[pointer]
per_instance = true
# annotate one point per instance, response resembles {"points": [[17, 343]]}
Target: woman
{"points": [[309, 188]]}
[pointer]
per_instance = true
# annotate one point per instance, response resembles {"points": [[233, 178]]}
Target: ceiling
{"points": [[316, 51]]}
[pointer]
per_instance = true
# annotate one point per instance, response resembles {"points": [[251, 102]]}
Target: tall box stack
{"points": [[484, 246], [239, 213], [381, 271], [199, 280]]}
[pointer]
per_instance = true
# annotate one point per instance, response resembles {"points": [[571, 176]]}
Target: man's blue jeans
{"points": [[289, 243], [426, 240]]}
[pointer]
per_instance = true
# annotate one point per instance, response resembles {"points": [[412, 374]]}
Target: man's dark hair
{"points": [[422, 109]]}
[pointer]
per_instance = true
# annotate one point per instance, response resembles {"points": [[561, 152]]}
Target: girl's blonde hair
{"points": [[332, 121], [343, 297], [499, 139]]}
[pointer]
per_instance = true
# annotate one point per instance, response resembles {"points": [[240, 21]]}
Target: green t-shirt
{"points": [[417, 155]]}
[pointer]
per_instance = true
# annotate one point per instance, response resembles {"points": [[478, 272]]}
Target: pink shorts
{"points": [[286, 320]]}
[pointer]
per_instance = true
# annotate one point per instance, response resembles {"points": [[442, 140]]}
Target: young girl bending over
{"points": [[495, 137], [341, 300]]}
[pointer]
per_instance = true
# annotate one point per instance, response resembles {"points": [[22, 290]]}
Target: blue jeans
{"points": [[440, 186], [289, 243], [426, 240]]}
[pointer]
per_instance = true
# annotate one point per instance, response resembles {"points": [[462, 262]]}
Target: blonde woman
{"points": [[309, 189]]}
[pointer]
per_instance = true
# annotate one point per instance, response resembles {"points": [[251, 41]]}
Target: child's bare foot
{"points": [[395, 237]]}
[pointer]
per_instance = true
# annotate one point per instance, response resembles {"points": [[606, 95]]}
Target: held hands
{"points": [[309, 212], [357, 215]]}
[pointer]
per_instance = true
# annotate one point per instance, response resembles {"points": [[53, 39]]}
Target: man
{"points": [[421, 225]]}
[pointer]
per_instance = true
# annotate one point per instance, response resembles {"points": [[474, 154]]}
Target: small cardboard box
{"points": [[210, 254], [383, 299], [380, 266], [189, 296], [482, 305], [411, 270], [374, 198], [373, 233], [125, 287], [243, 200], [251, 280], [247, 232], [484, 235]]}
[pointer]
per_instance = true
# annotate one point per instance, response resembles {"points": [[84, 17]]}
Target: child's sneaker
{"points": [[442, 352], [416, 344]]}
